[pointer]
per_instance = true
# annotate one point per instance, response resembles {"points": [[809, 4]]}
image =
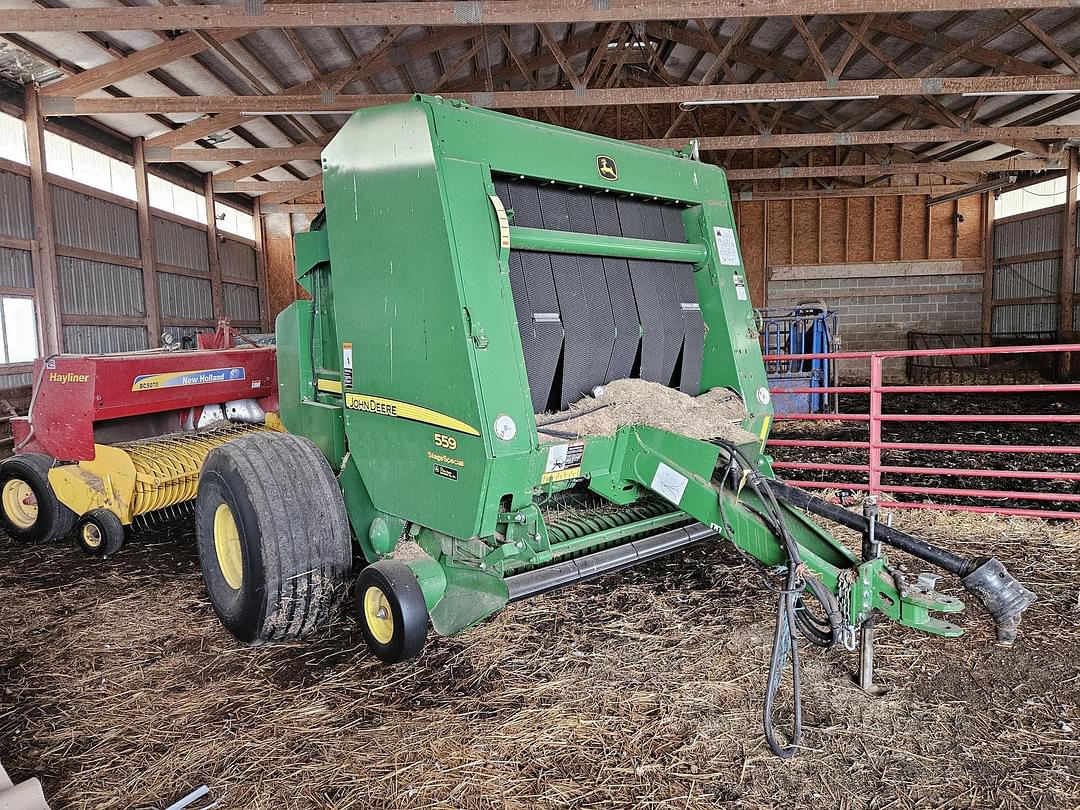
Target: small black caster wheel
{"points": [[99, 533], [392, 612]]}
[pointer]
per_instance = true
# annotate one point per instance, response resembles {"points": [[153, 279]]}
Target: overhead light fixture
{"points": [[686, 105], [1018, 93]]}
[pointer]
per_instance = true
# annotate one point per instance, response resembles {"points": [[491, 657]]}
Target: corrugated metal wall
{"points": [[238, 260], [1027, 272], [16, 270], [100, 275], [83, 221], [99, 339], [16, 217], [242, 302], [180, 245], [185, 297], [15, 380], [97, 288], [16, 264]]}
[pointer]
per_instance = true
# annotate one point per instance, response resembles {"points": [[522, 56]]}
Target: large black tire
{"points": [[42, 521], [391, 610], [274, 540]]}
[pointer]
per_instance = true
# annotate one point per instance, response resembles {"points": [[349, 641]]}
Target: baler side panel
{"points": [[732, 350], [400, 306], [301, 410]]}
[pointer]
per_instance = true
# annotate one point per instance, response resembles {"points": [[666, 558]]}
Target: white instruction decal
{"points": [[727, 250], [346, 365], [669, 483], [740, 287]]}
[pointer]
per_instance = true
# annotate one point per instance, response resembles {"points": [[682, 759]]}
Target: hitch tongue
{"points": [[1002, 595]]}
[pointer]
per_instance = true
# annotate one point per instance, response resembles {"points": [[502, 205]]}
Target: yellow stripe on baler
{"points": [[406, 410]]}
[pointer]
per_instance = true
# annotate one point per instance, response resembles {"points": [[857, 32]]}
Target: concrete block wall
{"points": [[879, 303]]}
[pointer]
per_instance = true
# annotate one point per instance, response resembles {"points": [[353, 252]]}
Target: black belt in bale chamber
{"points": [[588, 320]]}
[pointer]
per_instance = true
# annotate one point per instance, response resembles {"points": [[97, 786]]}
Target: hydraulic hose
{"points": [[793, 618], [953, 563]]}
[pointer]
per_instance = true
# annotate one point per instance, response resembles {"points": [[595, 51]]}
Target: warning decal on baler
{"points": [[563, 462], [727, 249], [669, 483], [346, 365], [406, 410], [179, 379]]}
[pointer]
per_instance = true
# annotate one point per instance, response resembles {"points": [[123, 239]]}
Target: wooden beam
{"points": [[887, 136], [509, 99], [361, 69], [146, 246], [443, 13], [263, 158], [900, 29], [290, 208], [281, 153], [43, 255], [875, 169], [1053, 47], [962, 50], [269, 186], [813, 193], [136, 63], [988, 262]]}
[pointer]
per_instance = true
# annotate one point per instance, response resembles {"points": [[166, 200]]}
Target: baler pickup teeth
{"points": [[167, 468]]}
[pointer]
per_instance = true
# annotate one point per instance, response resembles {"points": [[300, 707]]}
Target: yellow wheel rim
{"points": [[19, 503], [227, 545], [378, 616], [91, 536]]}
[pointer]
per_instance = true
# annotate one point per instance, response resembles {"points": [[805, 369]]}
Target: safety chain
{"points": [[843, 601]]}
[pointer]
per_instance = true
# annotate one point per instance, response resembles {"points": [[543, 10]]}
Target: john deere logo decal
{"points": [[606, 167]]}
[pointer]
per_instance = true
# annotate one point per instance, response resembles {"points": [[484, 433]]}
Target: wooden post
{"points": [[146, 245], [217, 290], [260, 269], [43, 255], [1066, 326], [988, 264], [1068, 248]]}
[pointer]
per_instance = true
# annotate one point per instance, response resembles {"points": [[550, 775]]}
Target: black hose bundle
{"points": [[792, 612]]}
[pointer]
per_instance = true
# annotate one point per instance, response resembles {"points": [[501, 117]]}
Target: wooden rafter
{"points": [[301, 99], [442, 13], [872, 169], [888, 136]]}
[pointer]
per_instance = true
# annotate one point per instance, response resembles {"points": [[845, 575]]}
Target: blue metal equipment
{"points": [[809, 328]]}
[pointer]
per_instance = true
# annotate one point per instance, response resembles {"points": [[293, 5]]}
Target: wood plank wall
{"points": [[835, 230]]}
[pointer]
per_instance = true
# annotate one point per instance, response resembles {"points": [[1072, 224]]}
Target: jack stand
{"points": [[864, 676], [871, 550]]}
